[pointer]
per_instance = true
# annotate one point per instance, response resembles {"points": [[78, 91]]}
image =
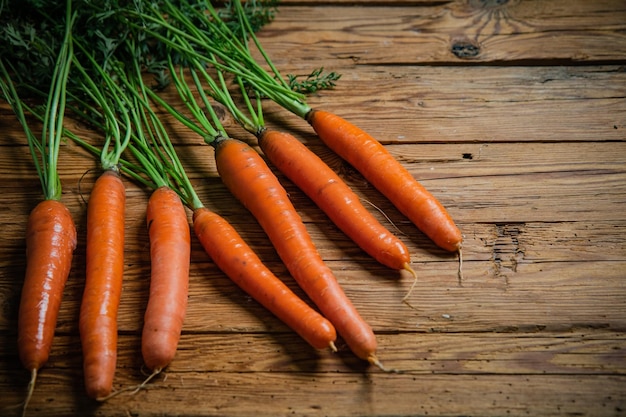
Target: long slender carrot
{"points": [[50, 242], [251, 181], [103, 283], [384, 172], [169, 280], [233, 256], [50, 233], [334, 197]]}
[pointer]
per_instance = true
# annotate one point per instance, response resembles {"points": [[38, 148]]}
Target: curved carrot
{"points": [[50, 243], [170, 249], [251, 181], [386, 174], [334, 197], [233, 256], [103, 283]]}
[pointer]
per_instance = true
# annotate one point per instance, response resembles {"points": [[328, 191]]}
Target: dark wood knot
{"points": [[465, 48]]}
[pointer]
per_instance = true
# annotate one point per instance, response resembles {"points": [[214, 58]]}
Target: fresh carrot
{"points": [[233, 256], [103, 283], [50, 233], [334, 197], [387, 174], [50, 242], [170, 250], [251, 181], [102, 82]]}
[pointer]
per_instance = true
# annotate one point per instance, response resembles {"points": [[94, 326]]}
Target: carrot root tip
{"points": [[30, 390], [460, 272], [408, 294], [333, 347], [373, 360], [407, 267]]}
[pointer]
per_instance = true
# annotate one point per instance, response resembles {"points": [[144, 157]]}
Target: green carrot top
{"points": [[44, 149]]}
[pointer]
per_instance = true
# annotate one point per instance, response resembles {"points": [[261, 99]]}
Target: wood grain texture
{"points": [[455, 32], [513, 113]]}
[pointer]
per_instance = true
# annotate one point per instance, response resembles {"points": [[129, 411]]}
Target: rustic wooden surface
{"points": [[513, 113]]}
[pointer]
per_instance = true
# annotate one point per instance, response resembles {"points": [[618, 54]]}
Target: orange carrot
{"points": [[233, 256], [251, 181], [103, 283], [317, 180], [169, 281], [51, 232], [384, 172], [50, 242]]}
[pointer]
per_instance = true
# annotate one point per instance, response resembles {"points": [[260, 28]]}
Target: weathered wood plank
{"points": [[454, 32], [409, 104], [423, 104], [577, 372], [593, 351], [493, 296], [260, 394], [478, 182]]}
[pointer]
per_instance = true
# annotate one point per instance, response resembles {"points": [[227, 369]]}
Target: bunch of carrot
{"points": [[199, 52], [202, 39], [251, 181], [158, 167]]}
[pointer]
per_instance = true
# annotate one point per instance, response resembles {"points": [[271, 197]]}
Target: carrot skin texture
{"points": [[251, 181], [305, 169], [103, 283], [170, 252], [237, 260], [50, 243], [386, 174]]}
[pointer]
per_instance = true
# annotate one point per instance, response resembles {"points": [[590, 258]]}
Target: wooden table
{"points": [[513, 113]]}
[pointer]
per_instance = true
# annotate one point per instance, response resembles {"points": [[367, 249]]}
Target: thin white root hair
{"points": [[408, 294], [460, 267], [133, 388], [384, 215]]}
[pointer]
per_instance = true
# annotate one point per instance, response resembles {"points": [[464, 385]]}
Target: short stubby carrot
{"points": [[239, 262], [318, 181], [385, 173], [251, 181], [103, 283], [50, 243], [170, 251]]}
